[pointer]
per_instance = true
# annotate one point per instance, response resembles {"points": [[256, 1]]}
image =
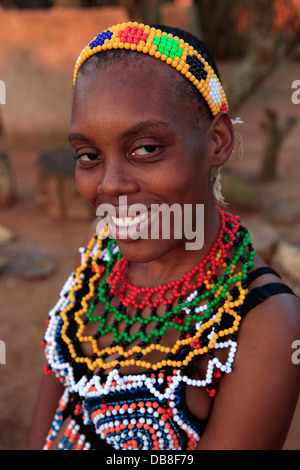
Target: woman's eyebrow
{"points": [[136, 129], [145, 126], [78, 137]]}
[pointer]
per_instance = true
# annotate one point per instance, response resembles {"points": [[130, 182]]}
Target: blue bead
{"points": [[100, 39]]}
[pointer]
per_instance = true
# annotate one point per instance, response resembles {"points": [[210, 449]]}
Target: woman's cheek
{"points": [[87, 184]]}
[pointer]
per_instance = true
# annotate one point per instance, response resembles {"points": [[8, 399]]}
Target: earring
{"points": [[217, 188], [238, 138], [216, 178]]}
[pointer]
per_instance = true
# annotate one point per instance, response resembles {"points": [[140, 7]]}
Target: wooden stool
{"points": [[7, 190], [56, 189]]}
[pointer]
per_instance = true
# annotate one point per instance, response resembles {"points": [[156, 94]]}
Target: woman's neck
{"points": [[177, 261]]}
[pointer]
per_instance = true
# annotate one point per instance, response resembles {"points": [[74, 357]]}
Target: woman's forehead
{"points": [[136, 91], [142, 75], [120, 62]]}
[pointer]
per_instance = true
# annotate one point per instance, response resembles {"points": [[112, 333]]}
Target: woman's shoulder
{"points": [[271, 308], [263, 387]]}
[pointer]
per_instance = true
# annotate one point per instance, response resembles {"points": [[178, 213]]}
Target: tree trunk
{"points": [[144, 11], [274, 134], [219, 27], [266, 47]]}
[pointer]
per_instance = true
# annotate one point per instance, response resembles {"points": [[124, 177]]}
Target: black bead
{"points": [[196, 67]]}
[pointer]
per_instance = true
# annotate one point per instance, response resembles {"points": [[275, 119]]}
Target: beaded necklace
{"points": [[207, 287], [201, 311]]}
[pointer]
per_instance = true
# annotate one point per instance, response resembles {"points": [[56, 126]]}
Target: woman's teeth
{"points": [[128, 221]]}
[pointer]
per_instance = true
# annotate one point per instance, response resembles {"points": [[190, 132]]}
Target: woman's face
{"points": [[138, 138]]}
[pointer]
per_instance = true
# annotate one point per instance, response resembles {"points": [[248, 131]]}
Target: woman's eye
{"points": [[87, 157], [145, 150]]}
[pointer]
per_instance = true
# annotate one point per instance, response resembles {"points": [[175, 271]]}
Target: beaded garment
{"points": [[144, 410]]}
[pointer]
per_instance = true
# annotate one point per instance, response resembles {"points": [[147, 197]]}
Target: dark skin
{"points": [[168, 174], [143, 149]]}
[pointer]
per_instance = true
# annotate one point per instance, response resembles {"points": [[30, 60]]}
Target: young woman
{"points": [[156, 342]]}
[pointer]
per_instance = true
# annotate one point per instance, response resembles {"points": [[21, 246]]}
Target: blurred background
{"points": [[42, 218]]}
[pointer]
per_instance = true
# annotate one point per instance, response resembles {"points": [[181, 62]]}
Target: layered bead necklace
{"points": [[201, 312]]}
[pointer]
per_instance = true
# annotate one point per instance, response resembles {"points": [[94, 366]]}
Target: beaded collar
{"points": [[196, 309], [170, 49]]}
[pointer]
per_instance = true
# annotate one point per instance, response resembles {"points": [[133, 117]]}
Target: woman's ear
{"points": [[222, 139]]}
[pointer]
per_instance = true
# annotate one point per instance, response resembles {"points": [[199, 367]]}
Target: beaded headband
{"points": [[166, 47]]}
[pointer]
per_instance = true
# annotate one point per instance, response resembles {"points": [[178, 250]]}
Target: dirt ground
{"points": [[24, 303]]}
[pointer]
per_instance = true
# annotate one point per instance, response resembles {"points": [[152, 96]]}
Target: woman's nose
{"points": [[117, 180]]}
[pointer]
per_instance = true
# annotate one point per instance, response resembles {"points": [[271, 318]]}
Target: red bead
{"points": [[217, 374], [77, 410], [212, 392], [47, 370]]}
